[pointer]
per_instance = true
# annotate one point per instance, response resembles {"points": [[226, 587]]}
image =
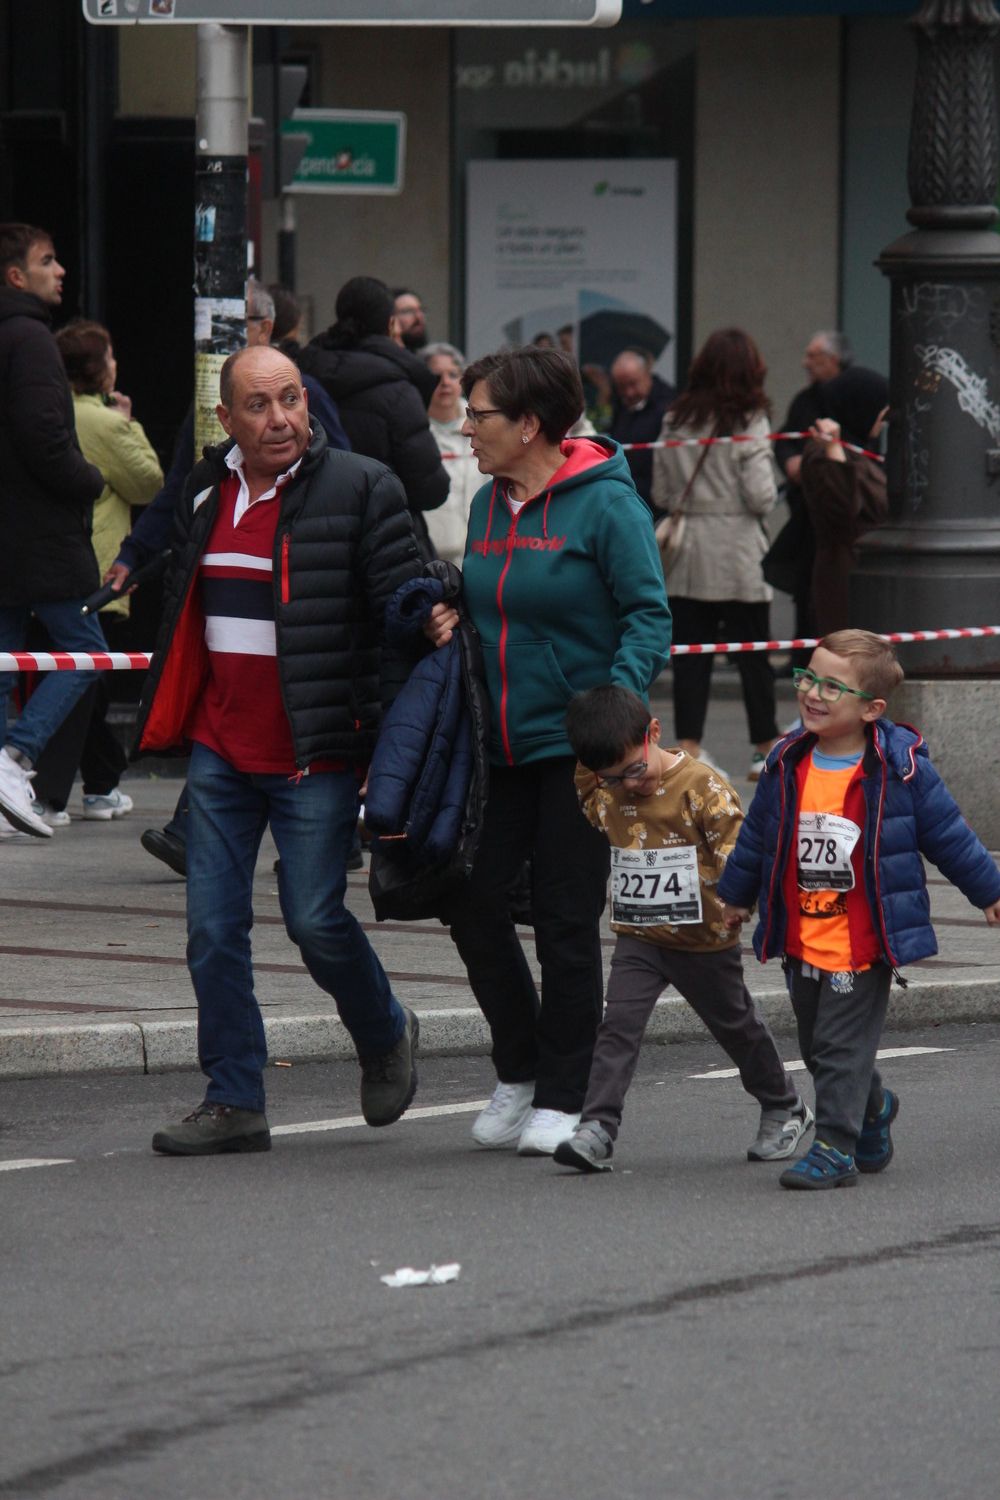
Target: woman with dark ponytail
{"points": [[382, 392]]}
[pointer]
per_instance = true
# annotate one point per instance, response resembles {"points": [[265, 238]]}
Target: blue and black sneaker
{"points": [[821, 1167], [873, 1152]]}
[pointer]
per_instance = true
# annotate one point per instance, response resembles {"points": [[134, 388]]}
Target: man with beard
{"points": [[409, 323]]}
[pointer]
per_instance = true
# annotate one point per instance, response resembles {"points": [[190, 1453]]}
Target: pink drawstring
{"points": [[545, 517], [489, 518]]}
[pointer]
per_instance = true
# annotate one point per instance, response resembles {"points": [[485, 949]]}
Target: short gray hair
{"points": [[260, 303], [449, 351], [837, 344]]}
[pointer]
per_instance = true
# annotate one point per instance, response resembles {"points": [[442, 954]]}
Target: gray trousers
{"points": [[712, 984], [839, 1031]]}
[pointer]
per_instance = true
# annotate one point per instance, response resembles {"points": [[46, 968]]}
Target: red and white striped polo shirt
{"points": [[241, 715]]}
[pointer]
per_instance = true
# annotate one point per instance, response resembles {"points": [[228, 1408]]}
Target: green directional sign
{"points": [[349, 151]]}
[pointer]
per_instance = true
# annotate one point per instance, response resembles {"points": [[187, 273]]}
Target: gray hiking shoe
{"points": [[780, 1132], [389, 1079], [212, 1129], [589, 1149]]}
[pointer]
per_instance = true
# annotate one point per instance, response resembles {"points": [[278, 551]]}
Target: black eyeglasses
{"points": [[475, 415], [829, 689], [634, 772]]}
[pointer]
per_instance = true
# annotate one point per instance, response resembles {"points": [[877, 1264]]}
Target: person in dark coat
{"points": [[269, 669], [47, 494], [382, 392], [844, 493], [825, 355], [640, 404]]}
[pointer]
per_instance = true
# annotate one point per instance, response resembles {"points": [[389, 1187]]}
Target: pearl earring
{"points": [[525, 438]]}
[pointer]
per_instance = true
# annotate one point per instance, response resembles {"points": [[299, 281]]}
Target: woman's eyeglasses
{"points": [[829, 689], [634, 772], [475, 415]]}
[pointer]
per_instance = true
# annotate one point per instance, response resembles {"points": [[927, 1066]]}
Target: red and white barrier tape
{"points": [[130, 661], [709, 442]]}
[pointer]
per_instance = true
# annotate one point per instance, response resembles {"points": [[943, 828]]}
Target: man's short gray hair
{"points": [[449, 351], [260, 303], [837, 344]]}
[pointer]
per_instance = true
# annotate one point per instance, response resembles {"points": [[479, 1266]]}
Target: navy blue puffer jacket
{"points": [[427, 783], [909, 812]]}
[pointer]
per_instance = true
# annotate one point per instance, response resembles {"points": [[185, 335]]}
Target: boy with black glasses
{"points": [[831, 848], [671, 822]]}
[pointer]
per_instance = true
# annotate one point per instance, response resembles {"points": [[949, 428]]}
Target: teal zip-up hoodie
{"points": [[566, 595]]}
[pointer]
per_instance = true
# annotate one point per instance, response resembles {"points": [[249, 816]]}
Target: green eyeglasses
{"points": [[829, 689]]}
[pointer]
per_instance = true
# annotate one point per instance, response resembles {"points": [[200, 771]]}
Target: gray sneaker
{"points": [[212, 1129], [589, 1149], [389, 1079], [780, 1132]]}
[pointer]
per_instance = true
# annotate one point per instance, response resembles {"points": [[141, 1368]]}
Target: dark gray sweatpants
{"points": [[840, 1019], [712, 984]]}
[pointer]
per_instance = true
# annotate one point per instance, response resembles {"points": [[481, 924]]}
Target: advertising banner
{"points": [[579, 253]]}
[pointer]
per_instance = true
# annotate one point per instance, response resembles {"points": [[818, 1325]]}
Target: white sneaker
{"points": [[503, 1119], [546, 1130], [17, 797], [712, 765], [11, 835], [114, 804], [56, 817]]}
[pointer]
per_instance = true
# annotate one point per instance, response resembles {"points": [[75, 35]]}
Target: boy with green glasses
{"points": [[831, 848]]}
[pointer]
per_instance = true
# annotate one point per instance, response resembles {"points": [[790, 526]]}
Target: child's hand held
{"points": [[735, 916]]}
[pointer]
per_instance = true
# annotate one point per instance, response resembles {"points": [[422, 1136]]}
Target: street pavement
{"points": [[681, 1329], [94, 976]]}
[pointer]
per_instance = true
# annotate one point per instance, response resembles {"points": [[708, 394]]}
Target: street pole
{"points": [[286, 242], [220, 239], [937, 562]]}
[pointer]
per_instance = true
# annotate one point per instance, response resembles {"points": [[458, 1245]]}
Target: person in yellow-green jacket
{"points": [[112, 440]]}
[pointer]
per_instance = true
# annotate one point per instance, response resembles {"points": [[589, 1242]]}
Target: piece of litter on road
{"points": [[433, 1276], [282, 1065]]}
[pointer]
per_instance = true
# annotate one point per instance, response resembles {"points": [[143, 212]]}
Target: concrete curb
{"points": [[163, 1046]]}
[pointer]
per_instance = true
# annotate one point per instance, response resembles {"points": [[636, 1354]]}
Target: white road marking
{"points": [[350, 1122], [798, 1066], [35, 1161]]}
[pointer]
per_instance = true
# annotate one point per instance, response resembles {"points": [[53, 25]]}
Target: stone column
{"points": [[937, 562]]}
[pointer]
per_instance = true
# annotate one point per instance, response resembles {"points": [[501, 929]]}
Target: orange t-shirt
{"points": [[825, 844]]}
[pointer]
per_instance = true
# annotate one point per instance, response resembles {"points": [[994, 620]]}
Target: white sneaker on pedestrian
{"points": [[712, 765], [503, 1119], [546, 1130], [113, 804], [11, 835], [55, 817], [17, 798]]}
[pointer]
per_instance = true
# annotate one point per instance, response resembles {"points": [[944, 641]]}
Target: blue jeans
{"points": [[57, 692], [312, 821]]}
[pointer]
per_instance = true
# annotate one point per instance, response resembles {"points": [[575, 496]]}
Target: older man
{"points": [[825, 355], [640, 403], [268, 668]]}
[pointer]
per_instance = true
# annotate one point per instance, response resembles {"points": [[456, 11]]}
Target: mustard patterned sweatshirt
{"points": [[669, 898]]}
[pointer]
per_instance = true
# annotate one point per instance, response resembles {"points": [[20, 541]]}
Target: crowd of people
{"points": [[378, 507]]}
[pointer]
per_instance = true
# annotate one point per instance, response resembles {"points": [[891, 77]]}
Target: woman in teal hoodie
{"points": [[563, 581]]}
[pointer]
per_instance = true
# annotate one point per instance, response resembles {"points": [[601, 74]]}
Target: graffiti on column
{"points": [[973, 392]]}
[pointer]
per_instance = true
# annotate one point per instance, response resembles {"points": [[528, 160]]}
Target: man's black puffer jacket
{"points": [[344, 543], [382, 393], [47, 487]]}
